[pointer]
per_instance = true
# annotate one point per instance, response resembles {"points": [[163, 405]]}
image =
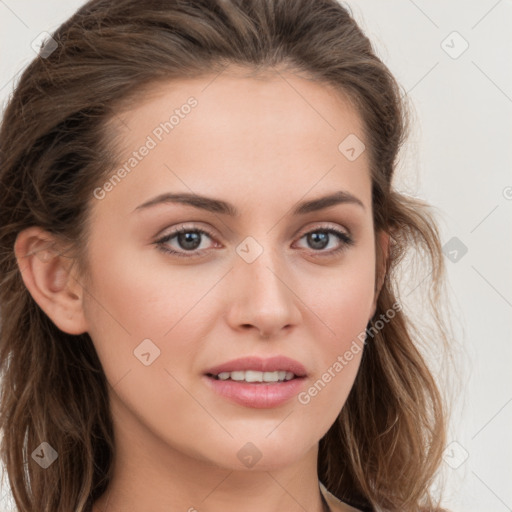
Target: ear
{"points": [[381, 265], [47, 274]]}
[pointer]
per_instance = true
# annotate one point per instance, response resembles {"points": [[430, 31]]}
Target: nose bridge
{"points": [[263, 273]]}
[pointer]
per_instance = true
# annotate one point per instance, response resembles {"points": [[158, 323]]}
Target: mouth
{"points": [[255, 377], [255, 382], [278, 368]]}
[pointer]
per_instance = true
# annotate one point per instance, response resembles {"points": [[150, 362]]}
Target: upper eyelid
{"points": [[184, 227], [299, 233], [325, 225], [193, 227]]}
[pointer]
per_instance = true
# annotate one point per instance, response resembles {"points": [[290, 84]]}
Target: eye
{"points": [[188, 240], [320, 238]]}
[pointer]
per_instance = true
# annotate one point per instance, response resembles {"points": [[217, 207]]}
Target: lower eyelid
{"points": [[344, 238]]}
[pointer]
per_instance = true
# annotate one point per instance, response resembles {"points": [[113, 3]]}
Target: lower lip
{"points": [[258, 395]]}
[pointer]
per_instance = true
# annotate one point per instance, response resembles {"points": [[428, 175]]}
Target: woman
{"points": [[199, 238]]}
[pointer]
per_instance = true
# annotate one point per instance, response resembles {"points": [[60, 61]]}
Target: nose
{"points": [[262, 297]]}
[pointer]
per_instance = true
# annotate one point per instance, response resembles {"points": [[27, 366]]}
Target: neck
{"points": [[151, 475]]}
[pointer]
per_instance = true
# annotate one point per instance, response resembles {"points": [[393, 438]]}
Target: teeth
{"points": [[254, 376], [237, 375]]}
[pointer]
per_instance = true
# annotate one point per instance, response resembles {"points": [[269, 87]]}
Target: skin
{"points": [[262, 144]]}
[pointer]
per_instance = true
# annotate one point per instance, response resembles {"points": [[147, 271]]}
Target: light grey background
{"points": [[458, 158]]}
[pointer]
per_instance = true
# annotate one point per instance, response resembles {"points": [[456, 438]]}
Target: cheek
{"points": [[131, 300], [342, 308], [144, 299], [134, 298], [344, 298], [350, 304]]}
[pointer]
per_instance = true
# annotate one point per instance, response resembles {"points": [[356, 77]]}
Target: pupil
{"points": [[189, 240], [318, 239]]}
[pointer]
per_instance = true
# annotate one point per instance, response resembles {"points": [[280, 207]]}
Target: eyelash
{"points": [[161, 244]]}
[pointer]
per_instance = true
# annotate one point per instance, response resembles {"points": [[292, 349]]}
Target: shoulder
{"points": [[335, 504]]}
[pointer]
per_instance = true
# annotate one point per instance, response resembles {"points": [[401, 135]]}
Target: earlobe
{"points": [[47, 274]]}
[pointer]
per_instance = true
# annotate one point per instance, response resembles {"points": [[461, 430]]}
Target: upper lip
{"points": [[260, 364]]}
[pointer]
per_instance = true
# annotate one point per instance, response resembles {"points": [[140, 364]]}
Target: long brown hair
{"points": [[56, 146]]}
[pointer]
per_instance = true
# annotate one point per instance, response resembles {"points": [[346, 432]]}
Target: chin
{"points": [[263, 454]]}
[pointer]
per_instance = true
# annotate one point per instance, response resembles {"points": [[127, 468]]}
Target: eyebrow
{"points": [[222, 207]]}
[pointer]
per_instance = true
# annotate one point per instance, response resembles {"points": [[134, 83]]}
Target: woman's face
{"points": [[263, 269]]}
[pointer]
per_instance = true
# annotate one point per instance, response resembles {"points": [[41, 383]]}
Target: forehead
{"points": [[234, 95], [214, 133]]}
